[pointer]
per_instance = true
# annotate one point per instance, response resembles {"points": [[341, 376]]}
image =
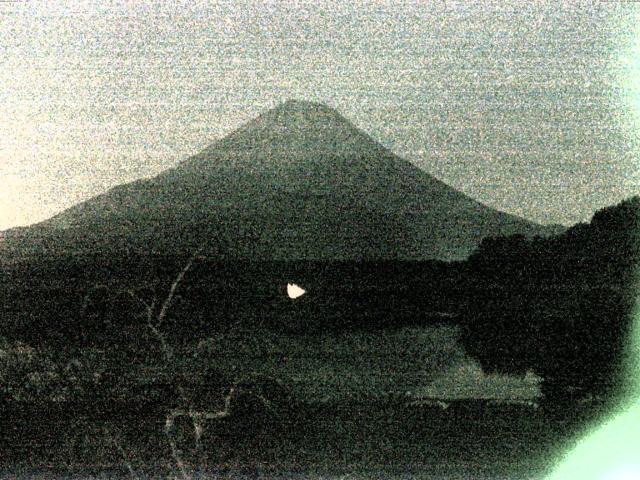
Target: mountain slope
{"points": [[297, 182]]}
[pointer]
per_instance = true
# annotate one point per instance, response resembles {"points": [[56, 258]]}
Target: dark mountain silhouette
{"points": [[297, 182]]}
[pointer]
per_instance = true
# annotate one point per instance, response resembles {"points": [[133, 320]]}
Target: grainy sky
{"points": [[531, 107]]}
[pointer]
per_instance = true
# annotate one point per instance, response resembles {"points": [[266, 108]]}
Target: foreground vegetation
{"points": [[468, 437], [174, 363]]}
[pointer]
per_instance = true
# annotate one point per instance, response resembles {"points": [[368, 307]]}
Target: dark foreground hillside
{"points": [[383, 439]]}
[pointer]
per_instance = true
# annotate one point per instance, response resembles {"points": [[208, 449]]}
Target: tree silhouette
{"points": [[559, 306]]}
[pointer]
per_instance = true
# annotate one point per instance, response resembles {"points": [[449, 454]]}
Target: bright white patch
{"points": [[294, 291], [626, 472]]}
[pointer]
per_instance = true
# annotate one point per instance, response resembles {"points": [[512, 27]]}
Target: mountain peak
{"points": [[301, 110], [299, 181], [293, 112], [296, 127], [296, 105]]}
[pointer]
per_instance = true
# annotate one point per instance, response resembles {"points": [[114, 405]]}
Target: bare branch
{"points": [[198, 418], [167, 351], [149, 307], [174, 286], [122, 453], [154, 322], [175, 453]]}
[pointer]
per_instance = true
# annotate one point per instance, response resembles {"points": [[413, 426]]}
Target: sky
{"points": [[530, 107]]}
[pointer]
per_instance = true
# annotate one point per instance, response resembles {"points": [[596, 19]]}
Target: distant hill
{"points": [[297, 182]]}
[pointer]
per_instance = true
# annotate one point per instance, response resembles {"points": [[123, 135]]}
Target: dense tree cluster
{"points": [[561, 306]]}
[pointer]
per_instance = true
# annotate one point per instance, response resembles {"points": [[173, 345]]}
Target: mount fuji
{"points": [[299, 182]]}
